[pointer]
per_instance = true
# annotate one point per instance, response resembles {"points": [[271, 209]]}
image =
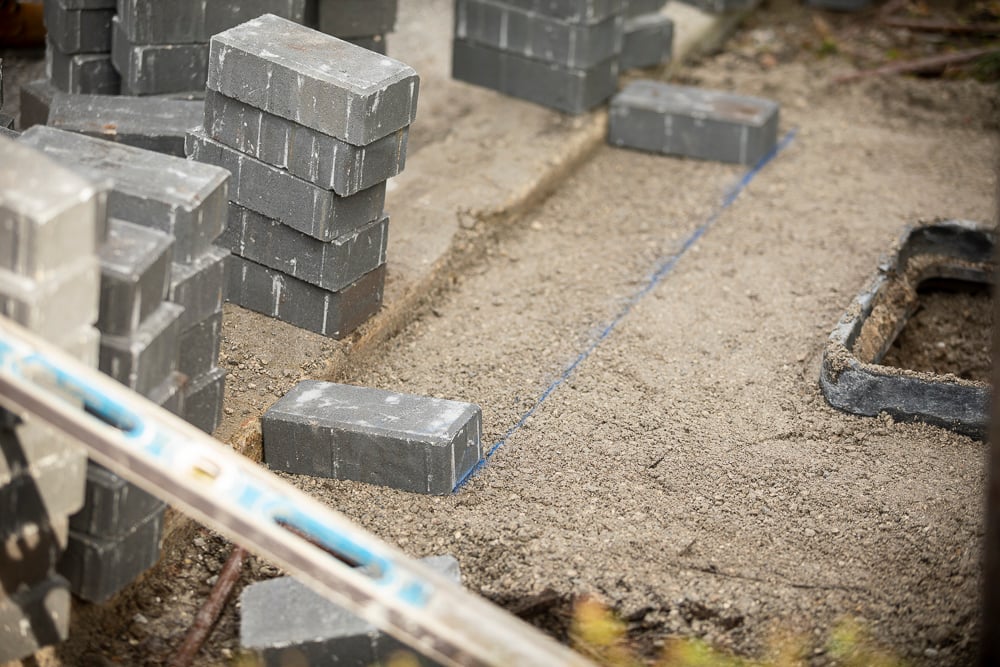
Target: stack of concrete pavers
{"points": [[287, 623], [649, 35], [310, 127], [413, 443], [693, 122], [51, 224], [78, 52], [155, 124], [562, 54], [362, 22], [77, 56], [160, 321], [162, 47]]}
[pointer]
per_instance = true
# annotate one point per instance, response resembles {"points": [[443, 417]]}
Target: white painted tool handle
{"points": [[229, 493]]}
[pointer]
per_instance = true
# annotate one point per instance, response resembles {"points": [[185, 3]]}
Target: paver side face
{"points": [[97, 568], [536, 36], [199, 286], [333, 314], [331, 265], [146, 22], [113, 506], [142, 360], [135, 276], [203, 400], [200, 343], [569, 90], [279, 195], [308, 154], [314, 79]]}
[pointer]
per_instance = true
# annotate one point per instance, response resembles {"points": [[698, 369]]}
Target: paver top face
{"points": [[313, 54], [325, 404], [35, 187], [113, 114], [132, 249], [696, 102], [174, 181]]}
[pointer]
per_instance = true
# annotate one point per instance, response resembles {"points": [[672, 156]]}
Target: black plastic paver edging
{"points": [[866, 388]]}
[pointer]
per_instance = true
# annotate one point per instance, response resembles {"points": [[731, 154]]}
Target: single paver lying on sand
{"points": [[414, 443]]}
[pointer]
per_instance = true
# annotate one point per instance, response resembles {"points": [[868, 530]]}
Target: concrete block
{"points": [[34, 619], [152, 22], [7, 124], [154, 124], [182, 198], [112, 507], [42, 489], [81, 73], [693, 122], [48, 214], [29, 554], [564, 89], [203, 400], [78, 30], [279, 195], [199, 286], [332, 265], [574, 11], [333, 314], [322, 160], [148, 69], [649, 41], [97, 568], [169, 395], [200, 346], [538, 37], [285, 622], [276, 65], [412, 443], [144, 359], [642, 7], [356, 18], [36, 98], [135, 276], [61, 303], [377, 43]]}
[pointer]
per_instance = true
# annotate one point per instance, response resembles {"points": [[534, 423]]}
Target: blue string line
{"points": [[664, 267]]}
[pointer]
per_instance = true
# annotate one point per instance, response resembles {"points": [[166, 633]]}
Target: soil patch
{"points": [[951, 332]]}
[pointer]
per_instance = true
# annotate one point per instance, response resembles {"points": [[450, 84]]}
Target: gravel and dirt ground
{"points": [[688, 473]]}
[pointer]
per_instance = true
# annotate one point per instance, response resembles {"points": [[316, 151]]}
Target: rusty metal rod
{"points": [[208, 615]]}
